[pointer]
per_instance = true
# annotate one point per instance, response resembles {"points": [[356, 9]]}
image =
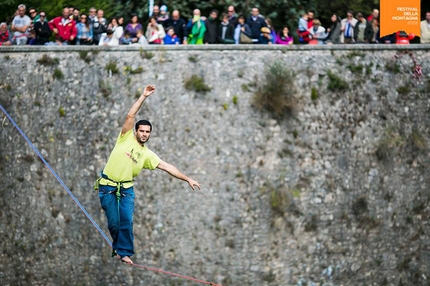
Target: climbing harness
{"points": [[86, 213]]}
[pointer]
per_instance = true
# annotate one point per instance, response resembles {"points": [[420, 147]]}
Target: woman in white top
{"points": [[318, 32], [155, 32], [118, 31]]}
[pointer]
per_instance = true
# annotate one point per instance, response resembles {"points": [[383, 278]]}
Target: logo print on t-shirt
{"points": [[133, 156]]}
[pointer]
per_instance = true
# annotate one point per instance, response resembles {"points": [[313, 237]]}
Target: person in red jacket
{"points": [[311, 16], [63, 28]]}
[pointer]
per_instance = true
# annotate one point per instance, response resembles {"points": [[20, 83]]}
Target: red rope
{"points": [[176, 275]]}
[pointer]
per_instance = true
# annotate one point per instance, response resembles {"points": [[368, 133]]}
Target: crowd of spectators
{"points": [[76, 28]]}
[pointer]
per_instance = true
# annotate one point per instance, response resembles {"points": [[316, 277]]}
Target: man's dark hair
{"points": [[143, 122]]}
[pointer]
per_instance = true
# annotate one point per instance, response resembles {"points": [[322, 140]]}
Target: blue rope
{"points": [[57, 177]]}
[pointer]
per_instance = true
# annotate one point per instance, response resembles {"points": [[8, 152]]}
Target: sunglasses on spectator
{"points": [[83, 18], [230, 11], [42, 15], [32, 12]]}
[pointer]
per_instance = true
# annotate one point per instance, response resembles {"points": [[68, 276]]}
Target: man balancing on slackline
{"points": [[129, 156]]}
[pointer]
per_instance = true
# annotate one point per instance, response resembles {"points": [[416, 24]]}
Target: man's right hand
{"points": [[149, 89]]}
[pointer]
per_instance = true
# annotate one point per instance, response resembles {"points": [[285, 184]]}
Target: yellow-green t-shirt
{"points": [[127, 159]]}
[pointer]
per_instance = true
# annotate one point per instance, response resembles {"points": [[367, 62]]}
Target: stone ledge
{"points": [[366, 47]]}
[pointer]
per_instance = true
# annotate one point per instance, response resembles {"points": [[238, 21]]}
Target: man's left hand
{"points": [[193, 184]]}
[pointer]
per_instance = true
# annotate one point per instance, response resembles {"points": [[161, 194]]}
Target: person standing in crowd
{"points": [[211, 23], [179, 26], [156, 11], [63, 28], [242, 33], [42, 30], [347, 28], [155, 32], [71, 9], [256, 22], [425, 29], [76, 14], [164, 16], [99, 26], [303, 30], [265, 36], [225, 31], [284, 37], [334, 32], [374, 15], [92, 14], [232, 16], [363, 31], [4, 35], [118, 31], [133, 27], [374, 23], [273, 34], [171, 38], [318, 32], [142, 40], [311, 16], [33, 16], [85, 31], [196, 28], [20, 25]]}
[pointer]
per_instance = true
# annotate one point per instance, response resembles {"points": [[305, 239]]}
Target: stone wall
{"points": [[337, 194]]}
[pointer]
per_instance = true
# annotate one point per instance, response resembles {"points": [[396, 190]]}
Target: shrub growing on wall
{"points": [[275, 92]]}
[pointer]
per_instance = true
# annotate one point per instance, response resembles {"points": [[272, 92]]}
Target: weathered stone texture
{"points": [[351, 168]]}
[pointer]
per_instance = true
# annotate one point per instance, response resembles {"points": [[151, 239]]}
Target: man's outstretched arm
{"points": [[172, 170], [129, 121]]}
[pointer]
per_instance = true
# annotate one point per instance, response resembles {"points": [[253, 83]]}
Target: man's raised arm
{"points": [[129, 121]]}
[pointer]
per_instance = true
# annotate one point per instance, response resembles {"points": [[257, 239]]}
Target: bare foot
{"points": [[127, 260]]}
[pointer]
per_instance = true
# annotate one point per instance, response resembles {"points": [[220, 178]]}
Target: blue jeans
{"points": [[120, 217]]}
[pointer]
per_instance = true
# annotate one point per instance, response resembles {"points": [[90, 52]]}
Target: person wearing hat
{"points": [[318, 32], [164, 16], [265, 36]]}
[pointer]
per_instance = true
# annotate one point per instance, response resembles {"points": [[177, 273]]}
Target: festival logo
{"points": [[400, 15]]}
